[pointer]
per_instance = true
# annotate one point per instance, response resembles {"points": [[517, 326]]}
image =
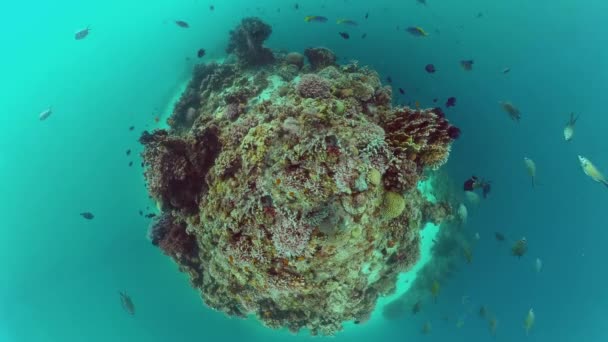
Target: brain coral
{"points": [[282, 212]]}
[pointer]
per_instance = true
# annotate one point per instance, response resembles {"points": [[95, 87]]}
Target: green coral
{"points": [[393, 205], [374, 177]]}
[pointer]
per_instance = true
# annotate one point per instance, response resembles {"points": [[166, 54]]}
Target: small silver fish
{"points": [[82, 34], [569, 129], [591, 171], [45, 114], [127, 303], [529, 321], [531, 167]]}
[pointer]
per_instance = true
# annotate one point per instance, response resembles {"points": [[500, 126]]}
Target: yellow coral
{"points": [[393, 205], [374, 177]]}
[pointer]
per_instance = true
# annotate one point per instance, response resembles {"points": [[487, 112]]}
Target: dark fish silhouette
{"points": [[296, 6], [150, 215], [128, 152], [182, 24], [451, 102], [131, 128], [201, 53], [417, 307], [363, 36], [82, 34], [430, 68], [401, 91], [366, 15], [467, 64], [130, 163], [127, 303], [344, 35], [211, 7], [499, 236], [87, 215], [389, 79]]}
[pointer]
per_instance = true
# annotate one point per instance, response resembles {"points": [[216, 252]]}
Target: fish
{"points": [[182, 24], [127, 303], [401, 91], [531, 168], [82, 34], [130, 163], [156, 119], [493, 325], [591, 171], [128, 152], [426, 328], [529, 321], [45, 114], [315, 19], [422, 2], [131, 128], [486, 187], [366, 15], [344, 35], [499, 236], [347, 22], [150, 215], [467, 64], [363, 36], [416, 31], [435, 100], [296, 6], [477, 236], [483, 312], [141, 213], [417, 307], [538, 265], [511, 110], [435, 288], [520, 247], [506, 70], [451, 102], [468, 254], [201, 53], [430, 68], [211, 7], [463, 213], [87, 215], [389, 79], [569, 129]]}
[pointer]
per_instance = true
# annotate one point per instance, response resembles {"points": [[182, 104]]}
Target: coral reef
{"points": [[283, 198], [246, 42]]}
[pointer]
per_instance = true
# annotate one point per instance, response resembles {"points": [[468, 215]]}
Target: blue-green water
{"points": [[60, 274]]}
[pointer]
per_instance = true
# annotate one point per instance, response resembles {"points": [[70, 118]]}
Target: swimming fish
{"points": [[483, 312], [131, 128], [182, 24], [499, 236], [430, 68], [363, 36], [401, 91], [211, 7], [344, 35], [416, 31], [422, 2], [130, 163], [82, 34], [426, 328], [347, 22], [315, 19], [201, 53], [531, 167], [87, 215], [529, 321], [417, 307], [511, 110], [493, 325], [468, 254], [463, 213], [389, 79], [520, 247], [435, 288], [467, 64], [128, 151], [569, 129], [296, 6], [538, 265], [45, 114], [366, 15], [451, 102], [127, 303], [591, 171], [506, 70]]}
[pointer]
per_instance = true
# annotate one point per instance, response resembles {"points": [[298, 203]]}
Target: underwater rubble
{"points": [[288, 190]]}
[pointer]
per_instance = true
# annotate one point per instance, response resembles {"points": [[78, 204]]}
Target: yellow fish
{"points": [[569, 129], [435, 289], [591, 171], [529, 321]]}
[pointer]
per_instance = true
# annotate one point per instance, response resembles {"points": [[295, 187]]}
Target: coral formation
{"points": [[246, 42], [282, 199]]}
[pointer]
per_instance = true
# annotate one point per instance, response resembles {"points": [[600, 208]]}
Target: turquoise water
{"points": [[61, 274]]}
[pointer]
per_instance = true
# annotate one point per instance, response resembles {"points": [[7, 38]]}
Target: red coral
{"points": [[171, 237], [423, 136]]}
